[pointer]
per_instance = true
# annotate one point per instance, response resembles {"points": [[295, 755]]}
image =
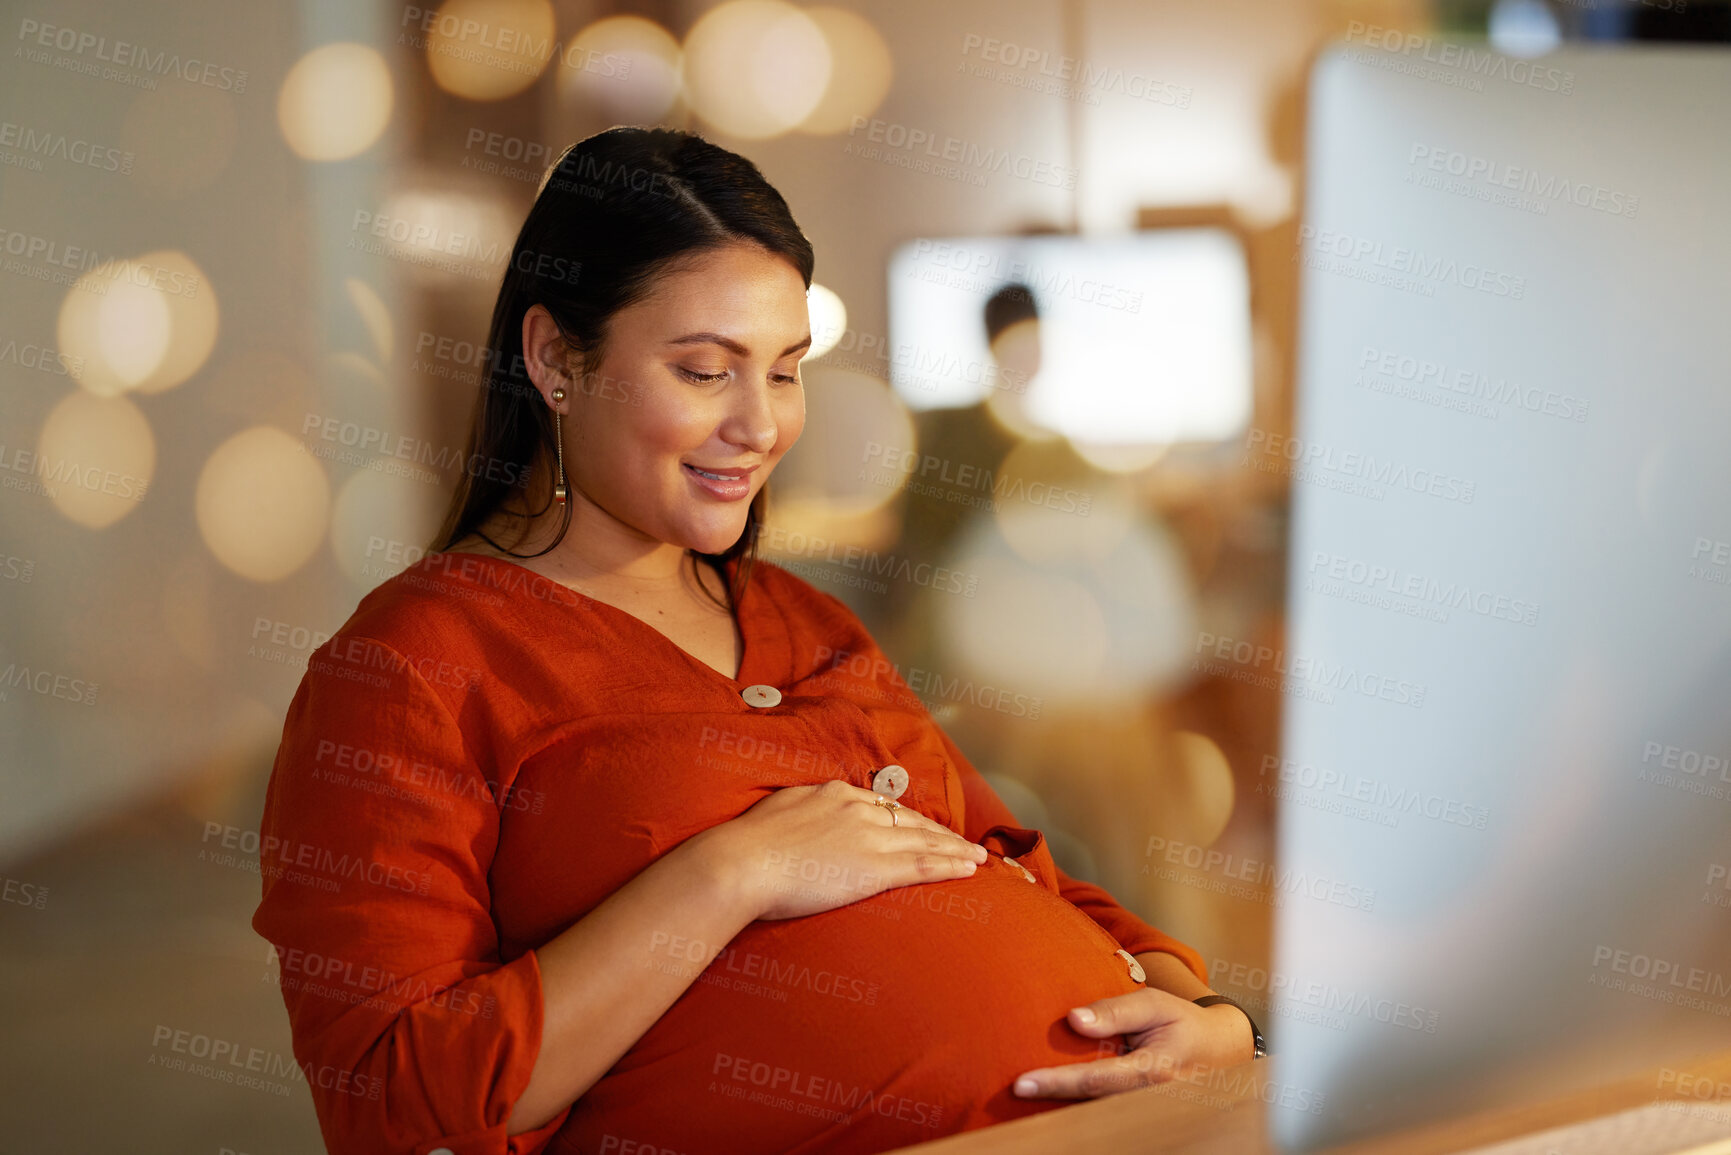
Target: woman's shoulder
{"points": [[459, 580], [450, 601]]}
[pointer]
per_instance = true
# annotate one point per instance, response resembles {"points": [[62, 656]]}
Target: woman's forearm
{"points": [[608, 977], [1168, 973]]}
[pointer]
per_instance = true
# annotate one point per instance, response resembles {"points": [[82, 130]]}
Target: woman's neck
{"points": [[605, 561]]}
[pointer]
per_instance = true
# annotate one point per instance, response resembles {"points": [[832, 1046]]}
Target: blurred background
{"points": [[249, 253]]}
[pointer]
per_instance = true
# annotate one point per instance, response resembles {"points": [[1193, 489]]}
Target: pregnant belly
{"points": [[890, 1021]]}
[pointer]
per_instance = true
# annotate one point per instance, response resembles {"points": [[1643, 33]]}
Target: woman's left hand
{"points": [[1169, 1037]]}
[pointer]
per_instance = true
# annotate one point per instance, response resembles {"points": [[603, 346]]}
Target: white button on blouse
{"points": [[891, 781], [761, 696]]}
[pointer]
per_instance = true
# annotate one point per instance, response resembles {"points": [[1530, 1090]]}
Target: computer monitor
{"points": [[1142, 339], [1505, 764]]}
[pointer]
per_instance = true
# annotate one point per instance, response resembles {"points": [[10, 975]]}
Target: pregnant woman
{"points": [[590, 833]]}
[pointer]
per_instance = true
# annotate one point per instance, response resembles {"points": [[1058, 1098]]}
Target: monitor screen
{"points": [[1505, 770], [1142, 339]]}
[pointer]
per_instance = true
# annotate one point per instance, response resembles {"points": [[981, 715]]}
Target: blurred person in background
{"points": [[960, 435], [590, 813]]}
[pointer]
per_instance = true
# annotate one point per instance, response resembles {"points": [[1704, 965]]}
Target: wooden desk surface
{"points": [[1184, 1119]]}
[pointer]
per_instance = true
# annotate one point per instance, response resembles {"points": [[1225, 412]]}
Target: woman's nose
{"points": [[752, 421]]}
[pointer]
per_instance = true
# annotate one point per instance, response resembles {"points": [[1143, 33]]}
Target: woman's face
{"points": [[701, 377]]}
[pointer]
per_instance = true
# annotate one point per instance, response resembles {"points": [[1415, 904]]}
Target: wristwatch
{"points": [[1255, 1031]]}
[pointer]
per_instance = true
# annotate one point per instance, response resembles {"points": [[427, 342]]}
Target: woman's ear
{"points": [[546, 356]]}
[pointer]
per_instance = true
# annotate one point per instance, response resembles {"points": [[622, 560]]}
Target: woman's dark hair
{"points": [[616, 211]]}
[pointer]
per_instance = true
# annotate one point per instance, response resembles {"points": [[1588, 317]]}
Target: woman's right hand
{"points": [[806, 849]]}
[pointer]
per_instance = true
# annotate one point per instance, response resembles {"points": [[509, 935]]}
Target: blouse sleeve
{"points": [[379, 829], [984, 810]]}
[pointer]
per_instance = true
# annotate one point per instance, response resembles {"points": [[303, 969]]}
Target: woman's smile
{"points": [[727, 484]]}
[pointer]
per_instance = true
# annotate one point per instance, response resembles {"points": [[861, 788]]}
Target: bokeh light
{"points": [[131, 329], [825, 488], [851, 421], [1016, 353], [756, 68], [454, 238], [146, 324], [490, 49], [626, 68], [1150, 600], [382, 523], [1059, 642], [1197, 795], [1009, 408], [860, 70], [335, 102], [193, 316], [105, 315], [1076, 535], [262, 504], [828, 319], [1071, 512], [348, 366], [96, 458], [1120, 458]]}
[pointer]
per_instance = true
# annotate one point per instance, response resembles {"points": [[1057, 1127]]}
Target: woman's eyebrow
{"points": [[733, 346]]}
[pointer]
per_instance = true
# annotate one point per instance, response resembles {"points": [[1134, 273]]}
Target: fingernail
{"points": [[1083, 1015], [1026, 1086], [980, 852]]}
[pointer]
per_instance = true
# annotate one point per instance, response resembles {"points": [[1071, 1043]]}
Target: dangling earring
{"points": [[559, 446]]}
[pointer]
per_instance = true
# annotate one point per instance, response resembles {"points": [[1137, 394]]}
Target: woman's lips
{"points": [[727, 484]]}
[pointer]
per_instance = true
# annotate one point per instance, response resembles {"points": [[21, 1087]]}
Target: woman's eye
{"points": [[787, 378], [703, 378]]}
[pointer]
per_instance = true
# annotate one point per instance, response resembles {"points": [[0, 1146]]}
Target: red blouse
{"points": [[480, 756]]}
